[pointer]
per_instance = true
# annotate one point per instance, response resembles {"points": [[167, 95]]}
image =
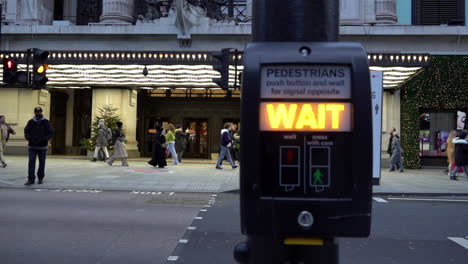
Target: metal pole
{"points": [[291, 21], [295, 20]]}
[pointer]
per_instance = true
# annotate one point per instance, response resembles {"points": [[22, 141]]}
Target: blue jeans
{"points": [[171, 148], [224, 152], [41, 153]]}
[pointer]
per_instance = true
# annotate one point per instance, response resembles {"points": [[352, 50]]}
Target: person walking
{"points": [[159, 149], [5, 131], [120, 149], [103, 136], [232, 149], [390, 140], [170, 140], [395, 159], [450, 149], [37, 132], [461, 155], [180, 142], [225, 144]]}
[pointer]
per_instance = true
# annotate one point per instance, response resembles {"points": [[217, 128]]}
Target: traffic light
{"points": [[10, 68], [223, 68], [40, 67], [300, 114]]}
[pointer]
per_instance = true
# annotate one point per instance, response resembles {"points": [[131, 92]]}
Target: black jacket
{"points": [[38, 132], [389, 149], [461, 152], [159, 153]]}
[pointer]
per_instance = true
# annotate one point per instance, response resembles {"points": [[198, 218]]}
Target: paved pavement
{"points": [[192, 176]]}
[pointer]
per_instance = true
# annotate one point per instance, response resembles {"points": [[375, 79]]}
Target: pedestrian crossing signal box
{"points": [[307, 140]]}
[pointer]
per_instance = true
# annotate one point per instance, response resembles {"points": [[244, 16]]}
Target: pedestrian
{"points": [[461, 154], [450, 149], [389, 148], [5, 131], [159, 149], [395, 159], [225, 144], [180, 142], [37, 132], [236, 143], [232, 149], [120, 149], [170, 140], [104, 134]]}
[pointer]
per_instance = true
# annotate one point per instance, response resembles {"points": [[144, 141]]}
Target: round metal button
{"points": [[305, 219]]}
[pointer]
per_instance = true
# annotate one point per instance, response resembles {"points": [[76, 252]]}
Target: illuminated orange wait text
{"points": [[305, 116]]}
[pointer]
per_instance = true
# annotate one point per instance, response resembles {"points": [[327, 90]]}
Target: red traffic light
{"points": [[10, 64]]}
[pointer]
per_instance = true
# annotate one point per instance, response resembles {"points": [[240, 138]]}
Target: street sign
{"points": [[307, 125], [377, 89]]}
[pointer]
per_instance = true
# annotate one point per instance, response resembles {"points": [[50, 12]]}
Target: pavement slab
{"points": [[194, 176]]}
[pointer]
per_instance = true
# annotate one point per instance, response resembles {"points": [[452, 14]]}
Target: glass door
{"points": [[197, 138]]}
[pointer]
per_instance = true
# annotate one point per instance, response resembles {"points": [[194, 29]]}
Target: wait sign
{"points": [[292, 116]]}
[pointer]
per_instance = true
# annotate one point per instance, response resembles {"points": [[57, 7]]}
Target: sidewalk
{"points": [[65, 172]]}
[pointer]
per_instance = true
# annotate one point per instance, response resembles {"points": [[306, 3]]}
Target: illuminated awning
{"points": [[175, 70]]}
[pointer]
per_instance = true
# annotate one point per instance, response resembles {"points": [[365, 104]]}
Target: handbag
{"points": [[164, 145], [167, 152]]}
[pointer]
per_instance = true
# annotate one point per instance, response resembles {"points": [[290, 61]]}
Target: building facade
{"points": [[99, 50]]}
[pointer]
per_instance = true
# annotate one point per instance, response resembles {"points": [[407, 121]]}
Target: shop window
{"points": [[437, 12], [434, 129], [58, 10]]}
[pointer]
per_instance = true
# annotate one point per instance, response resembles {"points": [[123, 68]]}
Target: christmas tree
{"points": [[108, 113]]}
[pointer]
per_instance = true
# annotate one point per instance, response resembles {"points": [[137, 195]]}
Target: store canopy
{"points": [[179, 70]]}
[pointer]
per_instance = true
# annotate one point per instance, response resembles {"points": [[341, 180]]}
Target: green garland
{"points": [[443, 86]]}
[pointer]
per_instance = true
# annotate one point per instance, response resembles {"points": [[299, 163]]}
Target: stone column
{"points": [[248, 12], [385, 11], [118, 11], [126, 102]]}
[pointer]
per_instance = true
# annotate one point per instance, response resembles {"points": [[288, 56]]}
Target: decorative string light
{"points": [[441, 87]]}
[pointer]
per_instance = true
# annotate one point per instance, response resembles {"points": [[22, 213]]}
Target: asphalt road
{"points": [[65, 226], [403, 231]]}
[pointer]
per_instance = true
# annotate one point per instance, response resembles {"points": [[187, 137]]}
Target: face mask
{"points": [[39, 116]]}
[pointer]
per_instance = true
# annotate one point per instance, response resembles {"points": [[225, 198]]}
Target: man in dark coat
{"points": [[390, 141], [38, 132], [225, 145], [180, 142], [461, 154]]}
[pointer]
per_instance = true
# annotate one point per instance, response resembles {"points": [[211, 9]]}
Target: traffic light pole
{"points": [[291, 21]]}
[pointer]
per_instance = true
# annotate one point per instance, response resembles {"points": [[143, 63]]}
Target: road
{"points": [[403, 231], [65, 226], [93, 226]]}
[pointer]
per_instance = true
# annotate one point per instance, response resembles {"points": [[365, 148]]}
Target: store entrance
{"points": [[197, 138]]}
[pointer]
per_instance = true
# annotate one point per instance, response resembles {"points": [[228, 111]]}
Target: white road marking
{"points": [[183, 241], [207, 206], [173, 258], [192, 228], [198, 218], [380, 200], [214, 195], [203, 210], [428, 199], [171, 193], [461, 241]]}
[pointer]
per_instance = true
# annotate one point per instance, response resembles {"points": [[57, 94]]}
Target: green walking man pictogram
{"points": [[318, 177]]}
